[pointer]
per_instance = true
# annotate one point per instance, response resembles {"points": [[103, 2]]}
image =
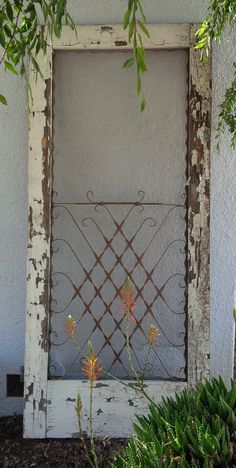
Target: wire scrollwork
{"points": [[149, 228]]}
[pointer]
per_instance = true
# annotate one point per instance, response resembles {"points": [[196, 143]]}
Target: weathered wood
{"points": [[114, 37], [199, 131], [38, 266], [49, 405], [114, 406]]}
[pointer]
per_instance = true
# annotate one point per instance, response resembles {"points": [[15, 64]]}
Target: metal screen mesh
{"points": [[121, 228]]}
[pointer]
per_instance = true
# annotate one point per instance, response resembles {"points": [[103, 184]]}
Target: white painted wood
{"points": [[114, 407], [198, 217], [114, 37], [49, 405], [36, 334]]}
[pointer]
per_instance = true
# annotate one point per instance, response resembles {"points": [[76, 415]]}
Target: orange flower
{"points": [[91, 367], [127, 297], [152, 334], [70, 326]]}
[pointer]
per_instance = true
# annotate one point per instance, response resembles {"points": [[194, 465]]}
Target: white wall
{"points": [[13, 196], [223, 221]]}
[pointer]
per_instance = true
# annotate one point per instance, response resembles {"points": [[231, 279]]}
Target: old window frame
{"points": [[49, 404]]}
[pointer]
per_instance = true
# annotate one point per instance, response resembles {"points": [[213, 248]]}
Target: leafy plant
{"points": [[134, 21], [227, 115], [22, 35], [221, 14], [194, 429]]}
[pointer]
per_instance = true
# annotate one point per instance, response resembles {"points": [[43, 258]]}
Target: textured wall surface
{"points": [[223, 222], [13, 196], [13, 232]]}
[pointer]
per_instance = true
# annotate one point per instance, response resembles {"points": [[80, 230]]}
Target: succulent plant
{"points": [[195, 429]]}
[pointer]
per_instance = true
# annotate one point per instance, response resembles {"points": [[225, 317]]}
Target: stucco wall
{"points": [[13, 195]]}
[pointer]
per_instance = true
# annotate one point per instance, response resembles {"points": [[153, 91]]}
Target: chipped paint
{"points": [[109, 399], [30, 221], [106, 28], [113, 419], [33, 263], [100, 385], [36, 338], [46, 149], [42, 402], [121, 43], [198, 217], [43, 342], [30, 389], [47, 412]]}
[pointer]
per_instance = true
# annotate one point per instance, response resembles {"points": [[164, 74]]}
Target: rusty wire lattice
{"points": [[91, 289]]}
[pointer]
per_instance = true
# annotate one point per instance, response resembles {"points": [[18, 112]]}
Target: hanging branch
{"points": [[22, 35], [221, 14], [136, 27]]}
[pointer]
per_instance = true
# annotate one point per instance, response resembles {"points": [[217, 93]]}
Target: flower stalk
{"points": [[92, 369], [78, 410]]}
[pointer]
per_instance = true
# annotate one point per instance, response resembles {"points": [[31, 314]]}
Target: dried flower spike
{"points": [[128, 300], [70, 326], [152, 334], [91, 367], [78, 407]]}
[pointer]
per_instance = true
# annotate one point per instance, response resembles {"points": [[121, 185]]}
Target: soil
{"points": [[64, 453]]}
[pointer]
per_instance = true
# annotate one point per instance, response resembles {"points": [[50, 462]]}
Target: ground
{"points": [[64, 453]]}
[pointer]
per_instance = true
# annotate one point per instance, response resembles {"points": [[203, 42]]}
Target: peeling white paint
{"points": [[13, 155], [36, 337], [114, 406], [42, 419]]}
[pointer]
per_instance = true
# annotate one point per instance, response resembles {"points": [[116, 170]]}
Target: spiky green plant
{"points": [[194, 429]]}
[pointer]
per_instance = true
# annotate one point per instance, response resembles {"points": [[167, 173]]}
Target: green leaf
{"points": [[2, 39], [142, 104], [231, 420], [9, 11], [213, 404], [131, 30], [144, 29], [3, 100], [126, 18], [141, 59], [56, 31], [7, 30], [140, 40], [61, 4], [141, 10], [17, 4], [36, 66], [128, 63], [22, 69], [10, 67], [30, 8]]}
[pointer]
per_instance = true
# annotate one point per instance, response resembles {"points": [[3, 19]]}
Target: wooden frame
{"points": [[49, 405]]}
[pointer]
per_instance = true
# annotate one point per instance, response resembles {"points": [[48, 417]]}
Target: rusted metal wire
{"points": [[129, 249]]}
